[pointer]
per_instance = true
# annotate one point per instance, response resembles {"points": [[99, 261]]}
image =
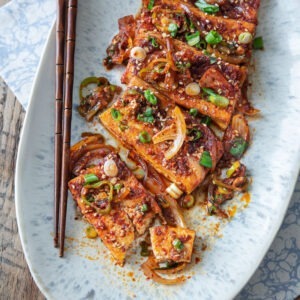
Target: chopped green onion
{"points": [[144, 249], [173, 28], [145, 137], [116, 114], [90, 178], [151, 4], [150, 97], [245, 38], [206, 160], [195, 133], [258, 43], [188, 201], [215, 98], [145, 119], [153, 42], [207, 8], [194, 112], [118, 186], [178, 245], [206, 120], [144, 208], [147, 116], [193, 39], [213, 38], [238, 147]]}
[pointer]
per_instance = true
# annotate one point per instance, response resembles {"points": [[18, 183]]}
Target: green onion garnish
{"points": [[173, 28], [213, 38], [206, 120], [215, 98], [147, 116], [153, 42], [258, 43], [145, 137], [151, 4], [116, 114], [238, 147], [206, 160], [150, 97], [194, 112], [90, 178], [144, 208], [118, 186], [195, 133], [207, 8], [188, 201], [245, 38], [178, 245], [193, 39]]}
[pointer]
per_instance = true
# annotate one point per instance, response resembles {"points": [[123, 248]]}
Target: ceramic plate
{"points": [[86, 271]]}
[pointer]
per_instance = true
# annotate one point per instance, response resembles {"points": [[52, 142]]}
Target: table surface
{"points": [[16, 281]]}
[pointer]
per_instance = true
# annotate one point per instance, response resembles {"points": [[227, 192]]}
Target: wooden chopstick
{"points": [[68, 97], [59, 78]]}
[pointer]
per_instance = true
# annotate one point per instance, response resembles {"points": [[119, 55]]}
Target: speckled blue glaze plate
{"points": [[86, 271]]}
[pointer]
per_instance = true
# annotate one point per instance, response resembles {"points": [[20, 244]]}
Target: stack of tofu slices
{"points": [[186, 65]]}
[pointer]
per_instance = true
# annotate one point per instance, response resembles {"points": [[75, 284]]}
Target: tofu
{"points": [[128, 217], [183, 169], [223, 76], [164, 240]]}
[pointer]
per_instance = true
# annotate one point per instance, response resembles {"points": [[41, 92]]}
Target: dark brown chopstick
{"points": [[59, 81], [67, 113]]}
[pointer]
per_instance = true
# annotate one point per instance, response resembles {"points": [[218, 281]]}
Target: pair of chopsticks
{"points": [[65, 49]]}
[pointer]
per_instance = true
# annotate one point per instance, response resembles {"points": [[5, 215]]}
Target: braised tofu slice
{"points": [[172, 243], [114, 202], [152, 126], [189, 67]]}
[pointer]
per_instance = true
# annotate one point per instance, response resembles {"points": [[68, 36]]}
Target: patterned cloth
{"points": [[25, 25]]}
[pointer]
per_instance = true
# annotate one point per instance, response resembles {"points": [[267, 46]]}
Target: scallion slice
{"points": [[258, 43], [150, 97], [173, 28], [116, 114], [213, 38], [145, 137], [144, 208], [238, 147], [215, 98], [151, 4], [194, 112], [178, 245], [90, 178], [207, 8], [206, 160], [193, 39]]}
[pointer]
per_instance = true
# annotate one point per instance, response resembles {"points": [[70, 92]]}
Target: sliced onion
{"points": [[240, 124], [148, 269], [230, 187], [167, 134], [180, 133]]}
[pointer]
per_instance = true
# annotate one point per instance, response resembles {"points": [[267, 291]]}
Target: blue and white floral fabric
{"points": [[24, 28]]}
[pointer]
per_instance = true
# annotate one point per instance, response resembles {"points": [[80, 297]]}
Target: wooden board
{"points": [[15, 279]]}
